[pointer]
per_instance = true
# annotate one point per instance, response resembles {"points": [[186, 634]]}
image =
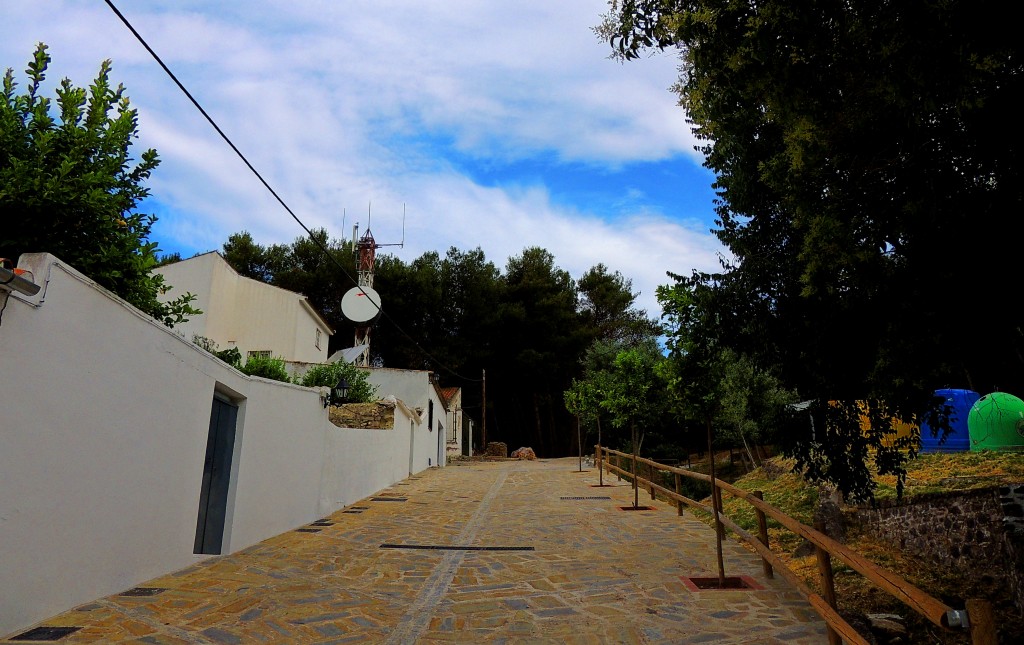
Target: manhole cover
{"points": [[732, 583], [45, 633]]}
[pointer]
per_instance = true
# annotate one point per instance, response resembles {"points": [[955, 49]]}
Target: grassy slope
{"points": [[928, 473]]}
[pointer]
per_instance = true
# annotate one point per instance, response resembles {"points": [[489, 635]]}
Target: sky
{"points": [[467, 123]]}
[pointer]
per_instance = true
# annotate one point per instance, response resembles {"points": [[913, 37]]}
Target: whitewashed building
{"points": [[252, 316]]}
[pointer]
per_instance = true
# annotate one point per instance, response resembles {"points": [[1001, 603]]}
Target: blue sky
{"points": [[492, 125]]}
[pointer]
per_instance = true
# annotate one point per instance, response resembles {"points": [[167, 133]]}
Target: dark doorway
{"points": [[213, 498]]}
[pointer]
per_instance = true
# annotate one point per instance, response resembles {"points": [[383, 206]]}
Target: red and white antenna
{"points": [[361, 304]]}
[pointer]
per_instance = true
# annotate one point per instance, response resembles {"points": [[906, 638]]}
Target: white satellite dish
{"points": [[361, 305]]}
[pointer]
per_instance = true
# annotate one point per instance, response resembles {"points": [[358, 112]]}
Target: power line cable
{"points": [[273, 192]]}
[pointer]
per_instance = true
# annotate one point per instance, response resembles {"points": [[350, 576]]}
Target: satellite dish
{"points": [[361, 305]]}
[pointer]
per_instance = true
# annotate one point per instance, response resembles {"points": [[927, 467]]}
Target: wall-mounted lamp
{"points": [[338, 395]]}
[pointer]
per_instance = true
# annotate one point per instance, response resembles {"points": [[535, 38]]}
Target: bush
{"points": [[231, 356], [359, 388], [266, 367]]}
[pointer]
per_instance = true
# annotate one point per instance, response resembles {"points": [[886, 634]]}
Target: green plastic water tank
{"points": [[996, 422]]}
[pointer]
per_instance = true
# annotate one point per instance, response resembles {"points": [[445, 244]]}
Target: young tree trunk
{"points": [[715, 499]]}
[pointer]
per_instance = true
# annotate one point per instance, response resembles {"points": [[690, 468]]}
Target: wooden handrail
{"points": [[931, 608]]}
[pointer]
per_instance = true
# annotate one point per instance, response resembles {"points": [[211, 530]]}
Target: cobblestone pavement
{"points": [[478, 552]]}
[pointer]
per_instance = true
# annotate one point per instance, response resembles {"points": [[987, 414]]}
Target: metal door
{"points": [[213, 498]]}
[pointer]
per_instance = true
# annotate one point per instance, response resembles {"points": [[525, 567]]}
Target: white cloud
{"points": [[337, 103]]}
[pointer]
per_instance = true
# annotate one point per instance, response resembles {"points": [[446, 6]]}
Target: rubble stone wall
{"points": [[977, 533]]}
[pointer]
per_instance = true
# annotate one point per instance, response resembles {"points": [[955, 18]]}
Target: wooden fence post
{"points": [[828, 585], [762, 529], [650, 478], [679, 488], [600, 465], [982, 622]]}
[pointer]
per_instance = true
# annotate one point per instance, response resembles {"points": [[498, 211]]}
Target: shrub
{"points": [[359, 389], [266, 367]]}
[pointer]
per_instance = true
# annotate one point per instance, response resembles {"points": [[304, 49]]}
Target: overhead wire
{"points": [[323, 248]]}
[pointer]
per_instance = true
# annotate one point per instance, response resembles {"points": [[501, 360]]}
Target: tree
{"points": [[631, 396], [68, 186], [857, 147]]}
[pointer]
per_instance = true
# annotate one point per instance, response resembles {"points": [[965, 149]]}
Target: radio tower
{"points": [[361, 304]]}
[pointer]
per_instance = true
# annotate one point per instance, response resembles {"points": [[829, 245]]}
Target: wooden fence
{"points": [[977, 618]]}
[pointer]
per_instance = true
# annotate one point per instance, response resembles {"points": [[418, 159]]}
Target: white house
{"points": [[454, 421], [252, 316]]}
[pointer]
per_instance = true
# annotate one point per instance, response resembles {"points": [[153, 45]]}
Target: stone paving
{"points": [[478, 552]]}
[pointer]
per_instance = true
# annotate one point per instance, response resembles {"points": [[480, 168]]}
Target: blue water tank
{"points": [[959, 437]]}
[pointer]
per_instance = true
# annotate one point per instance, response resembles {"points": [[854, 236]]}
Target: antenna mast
{"points": [[361, 305]]}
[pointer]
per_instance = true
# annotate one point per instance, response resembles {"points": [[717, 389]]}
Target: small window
{"points": [[259, 353], [318, 339]]}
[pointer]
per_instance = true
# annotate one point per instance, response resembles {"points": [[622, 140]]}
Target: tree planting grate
{"points": [[589, 497], [636, 508], [305, 530], [388, 499], [446, 547], [732, 583], [45, 633], [140, 592]]}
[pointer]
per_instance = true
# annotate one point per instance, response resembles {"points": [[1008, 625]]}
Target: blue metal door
{"points": [[213, 498]]}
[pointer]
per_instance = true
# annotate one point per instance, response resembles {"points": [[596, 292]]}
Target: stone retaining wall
{"points": [[379, 415], [977, 533]]}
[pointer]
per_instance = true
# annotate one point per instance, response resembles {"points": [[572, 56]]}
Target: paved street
{"points": [[478, 552]]}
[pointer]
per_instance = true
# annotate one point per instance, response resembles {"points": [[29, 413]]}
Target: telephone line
{"points": [[273, 192]]}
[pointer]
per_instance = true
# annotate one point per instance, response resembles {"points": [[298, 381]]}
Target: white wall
{"points": [[416, 390], [104, 419]]}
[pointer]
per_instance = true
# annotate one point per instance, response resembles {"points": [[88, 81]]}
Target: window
{"points": [[451, 434], [318, 338], [258, 353]]}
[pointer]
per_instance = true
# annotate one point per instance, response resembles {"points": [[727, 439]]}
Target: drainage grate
{"points": [[308, 530], [45, 633], [636, 508], [143, 591], [359, 511], [732, 583], [388, 499], [322, 523], [443, 547], [590, 497]]}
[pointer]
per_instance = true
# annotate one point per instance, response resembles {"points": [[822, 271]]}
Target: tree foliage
{"points": [[459, 315], [69, 186], [867, 159]]}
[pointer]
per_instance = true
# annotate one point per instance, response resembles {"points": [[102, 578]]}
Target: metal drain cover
{"points": [[636, 508], [589, 497], [45, 633], [304, 530], [447, 547], [143, 591], [732, 583], [388, 499]]}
